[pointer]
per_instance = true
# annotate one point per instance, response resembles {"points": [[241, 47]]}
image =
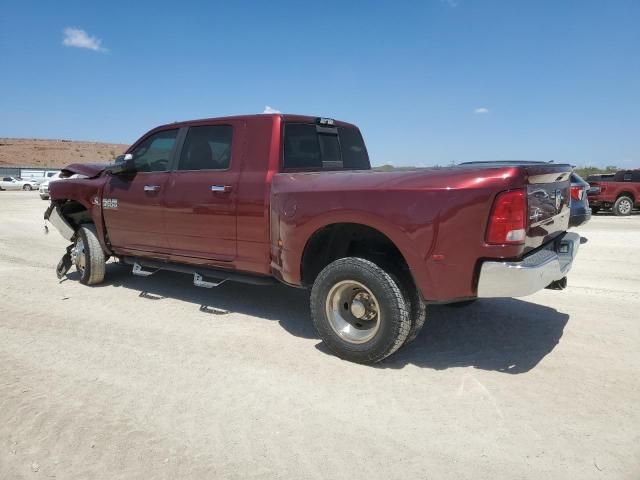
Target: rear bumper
{"points": [[580, 214], [577, 220], [533, 273]]}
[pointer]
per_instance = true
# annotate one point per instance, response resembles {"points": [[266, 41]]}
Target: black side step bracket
{"points": [[214, 276]]}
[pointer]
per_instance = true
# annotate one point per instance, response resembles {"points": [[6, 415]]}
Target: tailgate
{"points": [[548, 200], [595, 188]]}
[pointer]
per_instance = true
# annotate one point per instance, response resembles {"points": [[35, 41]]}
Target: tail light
{"points": [[577, 193], [507, 223]]}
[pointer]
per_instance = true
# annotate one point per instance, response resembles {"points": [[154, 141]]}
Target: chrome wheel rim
{"points": [[353, 311], [624, 206], [79, 255]]}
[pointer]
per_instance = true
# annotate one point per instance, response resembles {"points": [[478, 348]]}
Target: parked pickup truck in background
{"points": [[292, 198], [620, 193]]}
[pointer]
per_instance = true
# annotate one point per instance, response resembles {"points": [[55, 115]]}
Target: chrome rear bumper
{"points": [[532, 273]]}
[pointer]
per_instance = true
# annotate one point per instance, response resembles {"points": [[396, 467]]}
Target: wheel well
{"points": [[75, 213], [341, 240], [627, 194]]}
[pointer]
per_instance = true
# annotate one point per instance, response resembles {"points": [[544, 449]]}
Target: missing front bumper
{"points": [[532, 273], [53, 216]]}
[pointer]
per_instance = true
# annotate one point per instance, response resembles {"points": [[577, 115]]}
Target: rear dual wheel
{"points": [[361, 312]]}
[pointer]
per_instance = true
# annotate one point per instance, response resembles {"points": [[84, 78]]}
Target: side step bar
{"points": [[199, 281], [202, 276], [141, 272]]}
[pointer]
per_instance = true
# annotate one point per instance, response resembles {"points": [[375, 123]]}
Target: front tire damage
{"points": [[65, 263], [87, 256]]}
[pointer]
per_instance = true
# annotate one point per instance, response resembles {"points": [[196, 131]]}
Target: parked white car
{"points": [[12, 183], [44, 186]]}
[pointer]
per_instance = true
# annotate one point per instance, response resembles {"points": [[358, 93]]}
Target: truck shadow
{"points": [[609, 213], [504, 335], [289, 306]]}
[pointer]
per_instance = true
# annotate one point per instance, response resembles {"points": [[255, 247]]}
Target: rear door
{"points": [[201, 195], [132, 203]]}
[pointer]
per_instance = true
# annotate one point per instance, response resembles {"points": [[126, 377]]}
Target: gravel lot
{"points": [[154, 378]]}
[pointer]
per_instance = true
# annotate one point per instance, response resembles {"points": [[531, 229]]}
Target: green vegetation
{"points": [[584, 172], [392, 168]]}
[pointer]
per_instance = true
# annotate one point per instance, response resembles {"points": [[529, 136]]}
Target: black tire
{"points": [[44, 197], [417, 308], [623, 206], [92, 268], [392, 317], [595, 210], [27, 187]]}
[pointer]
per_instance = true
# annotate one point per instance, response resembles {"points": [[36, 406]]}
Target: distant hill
{"points": [[55, 153]]}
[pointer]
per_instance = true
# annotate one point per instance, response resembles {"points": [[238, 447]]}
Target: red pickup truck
{"points": [[620, 192], [291, 198]]}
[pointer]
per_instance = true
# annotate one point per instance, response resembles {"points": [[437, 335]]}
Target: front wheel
{"points": [[87, 255], [27, 187], [623, 206], [359, 311]]}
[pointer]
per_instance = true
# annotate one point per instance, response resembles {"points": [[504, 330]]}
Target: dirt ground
{"points": [[35, 152], [155, 378]]}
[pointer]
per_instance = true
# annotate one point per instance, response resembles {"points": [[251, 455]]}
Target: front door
{"points": [[201, 194], [132, 203]]}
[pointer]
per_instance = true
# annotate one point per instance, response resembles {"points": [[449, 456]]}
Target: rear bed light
{"points": [[507, 223], [577, 193]]}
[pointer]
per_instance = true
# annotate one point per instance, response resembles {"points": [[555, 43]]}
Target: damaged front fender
{"points": [[54, 216]]}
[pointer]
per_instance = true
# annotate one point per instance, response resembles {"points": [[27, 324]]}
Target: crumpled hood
{"points": [[89, 170]]}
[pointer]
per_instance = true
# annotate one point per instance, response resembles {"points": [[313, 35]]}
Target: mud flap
{"points": [[65, 263]]}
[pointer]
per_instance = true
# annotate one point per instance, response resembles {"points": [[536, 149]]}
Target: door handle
{"points": [[151, 188], [221, 188]]}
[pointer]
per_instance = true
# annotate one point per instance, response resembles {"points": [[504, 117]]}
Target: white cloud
{"points": [[76, 37], [268, 109], [481, 110]]}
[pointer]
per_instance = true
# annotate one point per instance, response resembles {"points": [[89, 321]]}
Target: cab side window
{"points": [[207, 147], [154, 153]]}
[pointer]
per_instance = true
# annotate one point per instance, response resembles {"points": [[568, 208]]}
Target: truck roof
{"points": [[287, 117]]}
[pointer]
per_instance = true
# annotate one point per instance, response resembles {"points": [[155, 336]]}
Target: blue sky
{"points": [[430, 81]]}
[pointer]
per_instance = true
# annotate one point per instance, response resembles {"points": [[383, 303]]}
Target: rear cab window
{"points": [[323, 146]]}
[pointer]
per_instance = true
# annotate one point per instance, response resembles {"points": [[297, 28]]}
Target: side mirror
{"points": [[123, 164]]}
